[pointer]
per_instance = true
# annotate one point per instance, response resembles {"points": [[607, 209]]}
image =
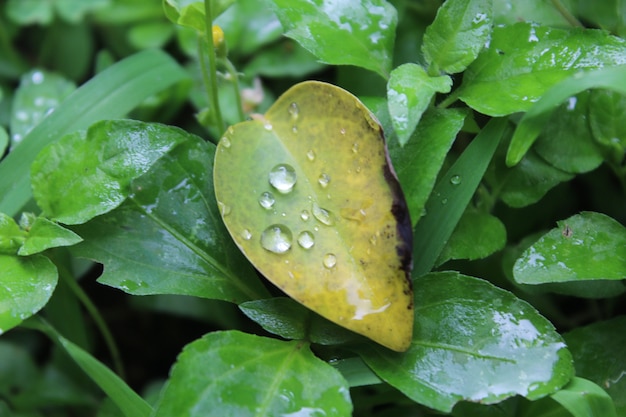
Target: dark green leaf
{"points": [[19, 371], [11, 236], [583, 398], [606, 109], [356, 372], [233, 373], [26, 285], [45, 234], [86, 174], [469, 330], [599, 355], [342, 32], [168, 237], [524, 60], [459, 32], [27, 12], [608, 15], [585, 247], [409, 92]]}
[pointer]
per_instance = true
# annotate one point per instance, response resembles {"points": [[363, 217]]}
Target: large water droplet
{"points": [[294, 111], [324, 180], [283, 177], [455, 180], [323, 215], [311, 155], [224, 209], [246, 235], [330, 260], [276, 238], [267, 200], [306, 239]]}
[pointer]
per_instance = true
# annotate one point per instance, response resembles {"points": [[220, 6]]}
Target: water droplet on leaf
{"points": [[283, 177], [310, 155], [324, 179], [330, 260], [225, 142], [455, 180], [306, 239], [246, 235], [323, 215], [305, 215], [268, 126], [224, 209], [355, 147], [267, 200], [276, 238], [294, 111]]}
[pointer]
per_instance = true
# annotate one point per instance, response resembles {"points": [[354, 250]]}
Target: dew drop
{"points": [[225, 142], [246, 235], [330, 260], [455, 180], [444, 201], [37, 77], [306, 239], [324, 180], [224, 209], [355, 147], [267, 200], [323, 215], [294, 111], [311, 155], [342, 131], [305, 215], [283, 178], [276, 238], [294, 129], [268, 126]]}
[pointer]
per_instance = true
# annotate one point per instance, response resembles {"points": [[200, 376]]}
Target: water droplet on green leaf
{"points": [[310, 155], [246, 235], [305, 215], [455, 180], [283, 178], [277, 238], [324, 180], [267, 200], [306, 239], [224, 209], [323, 215], [294, 111], [330, 260]]}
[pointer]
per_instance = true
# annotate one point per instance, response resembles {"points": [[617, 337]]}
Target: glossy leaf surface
{"points": [[45, 234], [473, 341], [89, 173], [524, 60], [309, 196], [585, 247], [191, 13], [232, 373], [459, 32], [409, 92], [342, 32], [168, 237]]}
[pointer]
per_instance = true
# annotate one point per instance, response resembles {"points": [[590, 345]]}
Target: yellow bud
{"points": [[219, 42]]}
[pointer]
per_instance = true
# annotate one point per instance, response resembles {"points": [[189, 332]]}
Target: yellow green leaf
{"points": [[309, 195]]}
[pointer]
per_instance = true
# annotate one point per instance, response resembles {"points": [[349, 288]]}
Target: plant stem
{"points": [[234, 77], [571, 19], [210, 76]]}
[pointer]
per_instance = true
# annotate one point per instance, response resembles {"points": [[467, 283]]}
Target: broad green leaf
{"points": [[458, 33], [191, 13], [342, 32], [605, 120], [583, 398], [599, 355], [11, 236], [566, 142], [609, 15], [539, 114], [110, 94], [27, 12], [86, 174], [151, 34], [524, 60], [236, 374], [473, 341], [168, 237], [538, 11], [45, 234], [38, 94], [315, 206], [409, 92], [285, 59], [26, 285], [476, 236], [585, 247]]}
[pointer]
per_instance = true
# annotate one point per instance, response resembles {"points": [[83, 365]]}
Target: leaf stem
{"points": [[571, 19], [234, 77], [210, 76]]}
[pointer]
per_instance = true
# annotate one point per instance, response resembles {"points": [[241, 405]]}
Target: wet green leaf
{"points": [[409, 92], [476, 236], [605, 111], [458, 33], [86, 174], [38, 94], [469, 330], [26, 285], [524, 60], [11, 236], [585, 247], [538, 11], [233, 373], [599, 355], [583, 398], [45, 234], [314, 205], [168, 237], [366, 30], [190, 13]]}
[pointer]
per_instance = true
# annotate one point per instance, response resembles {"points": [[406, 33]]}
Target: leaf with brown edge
{"points": [[310, 197]]}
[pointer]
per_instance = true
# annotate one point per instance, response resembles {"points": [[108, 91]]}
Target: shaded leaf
{"points": [[26, 285], [583, 398], [585, 247], [469, 330], [45, 234], [538, 11], [233, 373], [366, 30], [285, 59], [458, 33], [605, 111], [86, 174], [168, 237], [524, 60], [296, 206], [409, 92]]}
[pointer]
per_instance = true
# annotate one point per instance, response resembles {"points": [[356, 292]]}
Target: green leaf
{"points": [[74, 11], [4, 141], [11, 236], [599, 355], [295, 206], [110, 94], [19, 371], [366, 30], [26, 285], [233, 373], [469, 330], [86, 174], [28, 12], [356, 372], [458, 33], [585, 247], [190, 13], [38, 95], [451, 195], [607, 15], [476, 236], [605, 111], [168, 237], [285, 59], [45, 234], [409, 92], [583, 398], [524, 60], [538, 11]]}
